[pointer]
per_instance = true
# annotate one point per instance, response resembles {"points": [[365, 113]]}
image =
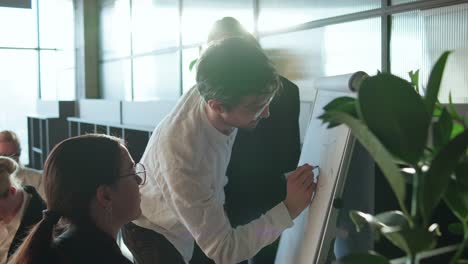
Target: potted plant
{"points": [[402, 129]]}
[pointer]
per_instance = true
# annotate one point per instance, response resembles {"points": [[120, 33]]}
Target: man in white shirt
{"points": [[10, 146], [186, 160]]}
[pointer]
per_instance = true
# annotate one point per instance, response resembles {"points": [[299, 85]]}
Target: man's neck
{"points": [[217, 122]]}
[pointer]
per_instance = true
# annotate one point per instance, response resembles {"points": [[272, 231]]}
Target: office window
{"points": [[155, 25], [46, 30], [156, 77], [57, 75], [278, 14], [397, 2], [198, 17], [57, 65], [114, 29], [19, 92], [116, 80], [18, 27], [306, 55], [188, 76], [115, 50], [420, 37], [56, 24]]}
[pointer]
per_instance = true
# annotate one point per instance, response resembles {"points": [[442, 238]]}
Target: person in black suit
{"points": [[260, 157]]}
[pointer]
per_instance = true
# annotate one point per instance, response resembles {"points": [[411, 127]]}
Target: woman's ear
{"points": [[104, 196]]}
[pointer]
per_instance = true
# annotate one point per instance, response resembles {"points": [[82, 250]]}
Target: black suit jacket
{"points": [[260, 157], [87, 245]]}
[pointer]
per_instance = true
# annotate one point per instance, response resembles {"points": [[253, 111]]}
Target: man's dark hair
{"points": [[233, 68]]}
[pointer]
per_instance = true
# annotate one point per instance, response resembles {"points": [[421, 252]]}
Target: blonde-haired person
{"points": [[10, 146], [20, 208], [92, 183]]}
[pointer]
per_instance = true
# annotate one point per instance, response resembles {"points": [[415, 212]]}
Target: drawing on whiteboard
{"points": [[308, 241]]}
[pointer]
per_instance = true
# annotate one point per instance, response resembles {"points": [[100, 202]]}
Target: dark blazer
{"points": [[32, 215], [260, 157], [80, 245]]}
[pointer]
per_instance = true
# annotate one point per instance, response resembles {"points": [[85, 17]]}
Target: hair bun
{"points": [[8, 165]]}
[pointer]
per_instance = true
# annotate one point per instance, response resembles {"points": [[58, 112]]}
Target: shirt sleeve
{"points": [[193, 200]]}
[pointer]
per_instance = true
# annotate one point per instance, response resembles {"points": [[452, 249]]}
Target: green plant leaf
{"points": [[437, 110], [456, 198], [361, 219], [379, 153], [452, 110], [341, 104], [396, 114], [192, 64], [461, 172], [393, 218], [414, 77], [435, 79], [442, 129], [338, 103], [360, 258], [412, 240], [456, 228], [457, 130], [434, 182], [390, 218]]}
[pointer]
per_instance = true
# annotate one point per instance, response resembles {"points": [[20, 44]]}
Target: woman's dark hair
{"points": [[73, 171], [233, 68]]}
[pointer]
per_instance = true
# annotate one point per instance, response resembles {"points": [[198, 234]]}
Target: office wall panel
{"points": [[115, 80], [156, 77], [155, 25], [420, 37], [278, 14], [332, 50], [114, 29]]}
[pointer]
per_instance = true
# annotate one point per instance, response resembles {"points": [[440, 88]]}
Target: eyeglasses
{"points": [[259, 112], [12, 156], [140, 173]]}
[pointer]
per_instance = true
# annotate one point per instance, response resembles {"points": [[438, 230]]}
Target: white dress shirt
{"points": [[186, 160], [8, 230], [28, 176]]}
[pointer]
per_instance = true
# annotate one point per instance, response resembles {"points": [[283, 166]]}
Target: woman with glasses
{"points": [[91, 183]]}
